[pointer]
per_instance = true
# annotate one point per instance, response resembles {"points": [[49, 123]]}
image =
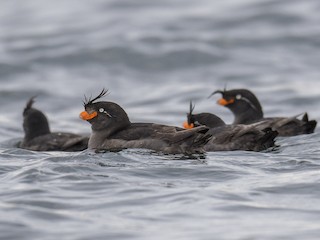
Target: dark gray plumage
{"points": [[232, 137], [38, 136], [112, 131], [247, 109]]}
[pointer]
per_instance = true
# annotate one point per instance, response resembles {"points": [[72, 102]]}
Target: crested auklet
{"points": [[247, 109], [231, 137], [113, 131], [38, 136]]}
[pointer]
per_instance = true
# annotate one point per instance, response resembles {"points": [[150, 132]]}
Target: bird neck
{"points": [[246, 115], [32, 132]]}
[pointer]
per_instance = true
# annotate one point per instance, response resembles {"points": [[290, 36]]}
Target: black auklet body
{"points": [[247, 109], [113, 131], [39, 138], [231, 137]]}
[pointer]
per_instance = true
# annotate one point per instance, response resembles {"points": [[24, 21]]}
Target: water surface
{"points": [[154, 57]]}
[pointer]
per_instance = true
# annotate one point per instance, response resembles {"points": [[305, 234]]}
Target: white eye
{"points": [[238, 96], [101, 110]]}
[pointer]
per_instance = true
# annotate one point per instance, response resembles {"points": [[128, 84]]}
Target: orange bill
{"points": [[225, 102], [186, 125], [87, 116]]}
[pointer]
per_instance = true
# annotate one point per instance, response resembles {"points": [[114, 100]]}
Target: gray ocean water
{"points": [[154, 57]]}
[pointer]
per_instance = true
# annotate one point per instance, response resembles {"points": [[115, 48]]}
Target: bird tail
{"points": [[309, 125], [193, 140], [268, 139]]}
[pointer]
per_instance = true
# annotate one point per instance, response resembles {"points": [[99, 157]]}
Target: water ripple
{"points": [[155, 57]]}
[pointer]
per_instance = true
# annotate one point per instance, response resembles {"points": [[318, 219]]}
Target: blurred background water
{"points": [[154, 57]]}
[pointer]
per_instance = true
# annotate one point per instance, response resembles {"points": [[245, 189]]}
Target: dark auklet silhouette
{"points": [[113, 131], [231, 137], [39, 138], [247, 109]]}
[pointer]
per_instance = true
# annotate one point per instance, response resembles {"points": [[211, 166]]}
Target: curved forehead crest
{"points": [[90, 100]]}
